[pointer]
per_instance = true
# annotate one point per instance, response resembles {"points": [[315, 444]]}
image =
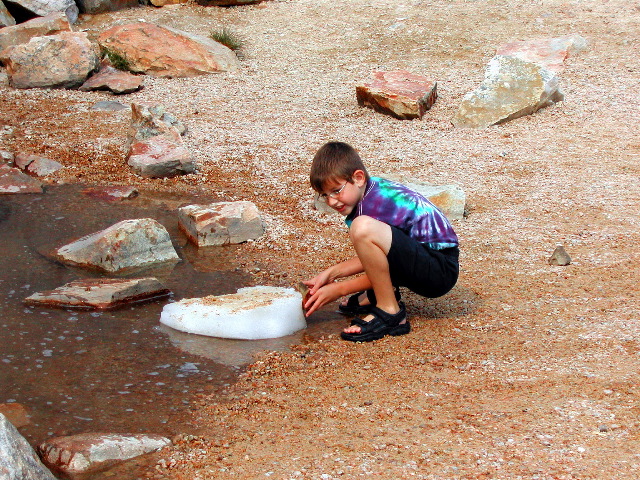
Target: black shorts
{"points": [[423, 270]]}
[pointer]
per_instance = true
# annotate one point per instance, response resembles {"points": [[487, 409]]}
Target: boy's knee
{"points": [[367, 227]]}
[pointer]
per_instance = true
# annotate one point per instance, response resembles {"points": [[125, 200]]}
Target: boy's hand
{"points": [[316, 298]]}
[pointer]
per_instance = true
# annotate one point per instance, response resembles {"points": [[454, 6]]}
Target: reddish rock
{"points": [[166, 52], [159, 157], [100, 293], [92, 452], [64, 60], [12, 180], [111, 193], [15, 413], [548, 52], [38, 27], [221, 223], [113, 80], [399, 93]]}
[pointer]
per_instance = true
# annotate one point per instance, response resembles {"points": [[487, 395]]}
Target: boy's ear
{"points": [[359, 178]]}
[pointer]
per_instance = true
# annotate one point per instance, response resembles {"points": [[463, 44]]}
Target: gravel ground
{"points": [[524, 370]]}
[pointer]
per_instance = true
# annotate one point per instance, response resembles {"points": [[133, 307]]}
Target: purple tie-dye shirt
{"points": [[401, 207]]}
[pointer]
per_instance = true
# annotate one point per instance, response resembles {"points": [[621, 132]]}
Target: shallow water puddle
{"points": [[114, 371]]}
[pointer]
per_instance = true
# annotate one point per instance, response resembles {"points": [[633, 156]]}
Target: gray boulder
{"points": [[160, 157], [512, 88], [125, 246], [101, 6], [6, 19], [17, 459], [45, 7]]}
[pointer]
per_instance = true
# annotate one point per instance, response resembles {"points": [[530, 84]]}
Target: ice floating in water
{"points": [[252, 313]]}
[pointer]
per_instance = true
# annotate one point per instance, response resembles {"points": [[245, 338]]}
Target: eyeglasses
{"points": [[335, 194]]}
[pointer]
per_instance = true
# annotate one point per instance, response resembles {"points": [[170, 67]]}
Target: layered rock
{"points": [[511, 89], [51, 24], [17, 458], [92, 452], [252, 313], [64, 60], [166, 52], [399, 93], [127, 245], [221, 223], [42, 8], [100, 293], [148, 121]]}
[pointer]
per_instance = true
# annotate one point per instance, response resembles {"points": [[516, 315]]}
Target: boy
{"points": [[400, 239]]}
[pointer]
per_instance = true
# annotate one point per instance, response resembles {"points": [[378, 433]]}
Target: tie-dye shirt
{"points": [[401, 207]]}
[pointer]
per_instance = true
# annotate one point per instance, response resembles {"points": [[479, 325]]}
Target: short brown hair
{"points": [[334, 161]]}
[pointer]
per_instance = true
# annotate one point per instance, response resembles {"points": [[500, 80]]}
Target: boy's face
{"points": [[342, 195]]}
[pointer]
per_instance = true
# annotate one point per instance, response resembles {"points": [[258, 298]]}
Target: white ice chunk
{"points": [[252, 313]]}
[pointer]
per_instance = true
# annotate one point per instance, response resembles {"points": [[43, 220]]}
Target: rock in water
{"points": [[252, 313]]}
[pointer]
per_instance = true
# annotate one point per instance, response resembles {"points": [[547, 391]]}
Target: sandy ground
{"points": [[524, 370]]}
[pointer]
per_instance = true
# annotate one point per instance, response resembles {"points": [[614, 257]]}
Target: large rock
{"points": [[221, 223], [17, 459], [399, 93], [64, 60], [100, 293], [252, 313], [12, 180], [160, 157], [166, 52], [113, 80], [127, 245], [450, 199], [92, 452], [511, 89], [52, 24], [101, 6], [548, 52], [42, 8], [6, 19], [36, 165]]}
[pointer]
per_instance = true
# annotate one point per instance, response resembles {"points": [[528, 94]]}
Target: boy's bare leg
{"points": [[372, 241]]}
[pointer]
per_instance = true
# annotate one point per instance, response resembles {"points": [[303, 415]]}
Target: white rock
{"points": [[252, 313]]}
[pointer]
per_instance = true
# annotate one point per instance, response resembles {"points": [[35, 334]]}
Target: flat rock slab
{"points": [[37, 27], [92, 452], [111, 194], [12, 180], [399, 93], [160, 157], [252, 313], [113, 80], [100, 293], [125, 246], [548, 52], [221, 223]]}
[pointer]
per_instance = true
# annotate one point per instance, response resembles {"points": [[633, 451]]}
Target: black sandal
{"points": [[353, 306], [381, 324]]}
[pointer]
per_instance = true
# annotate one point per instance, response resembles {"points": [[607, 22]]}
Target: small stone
{"points": [[560, 257], [603, 428]]}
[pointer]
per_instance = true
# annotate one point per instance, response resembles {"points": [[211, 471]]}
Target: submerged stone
{"points": [[100, 293], [252, 313]]}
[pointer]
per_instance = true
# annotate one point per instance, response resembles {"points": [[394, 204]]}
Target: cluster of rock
{"points": [[45, 52], [12, 9], [521, 79]]}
